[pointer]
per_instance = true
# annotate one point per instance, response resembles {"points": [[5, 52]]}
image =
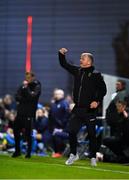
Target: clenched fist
{"points": [[63, 51]]}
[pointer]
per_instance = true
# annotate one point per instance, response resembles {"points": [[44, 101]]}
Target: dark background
{"points": [[79, 25]]}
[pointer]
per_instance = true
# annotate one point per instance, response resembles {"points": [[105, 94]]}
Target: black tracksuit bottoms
{"points": [[26, 124], [75, 123]]}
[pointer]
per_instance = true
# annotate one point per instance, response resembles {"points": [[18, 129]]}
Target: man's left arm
{"points": [[101, 88], [32, 94]]}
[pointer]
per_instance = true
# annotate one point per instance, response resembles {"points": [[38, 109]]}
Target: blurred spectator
{"points": [[58, 120], [121, 94], [11, 119], [7, 139], [9, 102], [41, 125], [119, 141], [121, 91]]}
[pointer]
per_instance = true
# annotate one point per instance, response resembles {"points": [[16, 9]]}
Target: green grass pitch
{"points": [[54, 168]]}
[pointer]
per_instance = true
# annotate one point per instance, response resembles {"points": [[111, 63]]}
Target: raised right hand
{"points": [[63, 51]]}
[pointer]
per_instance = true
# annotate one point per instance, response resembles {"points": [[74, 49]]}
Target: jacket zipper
{"points": [[79, 94]]}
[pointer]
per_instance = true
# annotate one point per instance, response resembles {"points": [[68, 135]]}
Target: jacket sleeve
{"points": [[69, 67], [101, 88], [31, 95], [19, 95]]}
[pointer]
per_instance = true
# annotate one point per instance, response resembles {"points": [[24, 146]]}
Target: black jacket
{"points": [[89, 85], [27, 99]]}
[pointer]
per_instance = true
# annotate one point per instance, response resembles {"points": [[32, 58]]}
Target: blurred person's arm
{"points": [[33, 94], [19, 95]]}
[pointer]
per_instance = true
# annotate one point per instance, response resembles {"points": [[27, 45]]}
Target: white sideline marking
{"points": [[105, 170], [81, 167], [91, 168]]}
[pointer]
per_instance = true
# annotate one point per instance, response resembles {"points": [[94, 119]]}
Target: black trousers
{"points": [[19, 124], [75, 123]]}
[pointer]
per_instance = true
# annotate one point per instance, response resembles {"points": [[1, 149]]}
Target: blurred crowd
{"points": [[50, 133], [49, 127]]}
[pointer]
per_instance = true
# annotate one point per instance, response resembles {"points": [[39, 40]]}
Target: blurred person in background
{"points": [[41, 126], [11, 119], [9, 102], [58, 121], [27, 97], [7, 140], [118, 142], [121, 94], [121, 91]]}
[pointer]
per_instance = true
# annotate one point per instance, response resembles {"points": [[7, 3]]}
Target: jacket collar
{"points": [[87, 70]]}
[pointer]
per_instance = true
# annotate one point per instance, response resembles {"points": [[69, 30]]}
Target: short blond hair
{"points": [[89, 55]]}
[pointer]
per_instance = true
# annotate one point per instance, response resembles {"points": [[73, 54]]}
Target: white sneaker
{"points": [[93, 162], [71, 159]]}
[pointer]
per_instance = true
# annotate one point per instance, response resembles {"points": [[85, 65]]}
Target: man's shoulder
{"points": [[37, 82], [64, 102], [97, 75], [96, 72]]}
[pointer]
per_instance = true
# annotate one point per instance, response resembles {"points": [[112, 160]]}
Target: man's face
{"points": [[119, 86], [85, 61], [29, 77], [120, 107], [58, 94]]}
